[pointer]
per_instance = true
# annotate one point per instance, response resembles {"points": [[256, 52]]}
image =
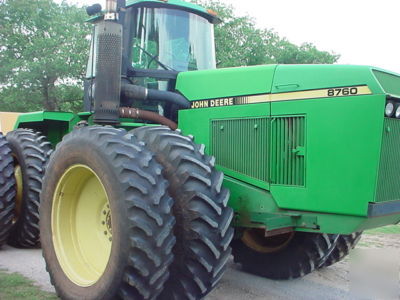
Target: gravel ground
{"points": [[329, 283]]}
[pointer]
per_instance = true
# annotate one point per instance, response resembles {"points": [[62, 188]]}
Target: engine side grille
{"points": [[288, 151], [241, 145], [388, 187]]}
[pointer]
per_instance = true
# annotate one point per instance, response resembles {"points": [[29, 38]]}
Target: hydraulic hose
{"points": [[137, 92], [135, 113]]}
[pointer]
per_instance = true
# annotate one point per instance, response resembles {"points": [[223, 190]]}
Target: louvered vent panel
{"points": [[288, 150], [388, 187], [241, 145]]}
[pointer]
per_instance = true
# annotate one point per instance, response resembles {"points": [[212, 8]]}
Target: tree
{"points": [[240, 43], [43, 54]]}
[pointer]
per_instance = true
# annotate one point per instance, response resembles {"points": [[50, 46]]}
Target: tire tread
{"points": [[203, 219], [35, 150], [344, 245], [150, 220], [7, 190], [300, 257]]}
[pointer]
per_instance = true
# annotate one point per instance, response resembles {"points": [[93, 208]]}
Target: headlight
{"points": [[389, 110], [397, 113]]}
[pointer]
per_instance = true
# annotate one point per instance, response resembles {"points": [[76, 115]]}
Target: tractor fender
{"points": [[54, 125]]}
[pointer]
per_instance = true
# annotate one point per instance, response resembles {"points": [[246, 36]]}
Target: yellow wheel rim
{"points": [[81, 225], [18, 197], [255, 239]]}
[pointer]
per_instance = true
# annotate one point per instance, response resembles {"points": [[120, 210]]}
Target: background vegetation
{"points": [[16, 287], [44, 47]]}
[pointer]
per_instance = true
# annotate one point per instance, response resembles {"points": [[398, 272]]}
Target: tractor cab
{"points": [[159, 39], [171, 39]]}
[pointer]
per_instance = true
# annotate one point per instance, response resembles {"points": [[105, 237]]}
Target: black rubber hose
{"points": [[170, 97], [132, 91]]}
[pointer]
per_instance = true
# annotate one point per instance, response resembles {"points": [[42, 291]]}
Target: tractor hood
{"points": [[276, 79], [229, 82]]}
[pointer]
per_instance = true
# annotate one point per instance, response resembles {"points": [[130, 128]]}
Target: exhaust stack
{"points": [[111, 6], [111, 10], [108, 67]]}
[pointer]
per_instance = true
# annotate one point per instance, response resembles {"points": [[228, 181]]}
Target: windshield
{"points": [[170, 39]]}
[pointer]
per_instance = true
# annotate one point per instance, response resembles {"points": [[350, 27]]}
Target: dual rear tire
{"points": [[23, 157], [106, 218], [111, 224], [30, 153]]}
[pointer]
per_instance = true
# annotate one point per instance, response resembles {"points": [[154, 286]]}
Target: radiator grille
{"points": [[241, 145], [388, 177], [287, 151]]}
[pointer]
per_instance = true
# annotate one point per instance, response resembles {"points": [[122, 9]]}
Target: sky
{"points": [[362, 32]]}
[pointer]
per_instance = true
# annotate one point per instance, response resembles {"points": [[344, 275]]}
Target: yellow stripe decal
{"points": [[290, 96]]}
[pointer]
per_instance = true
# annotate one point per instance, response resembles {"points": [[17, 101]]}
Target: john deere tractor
{"points": [[284, 164]]}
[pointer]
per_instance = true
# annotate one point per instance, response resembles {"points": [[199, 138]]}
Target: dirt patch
{"points": [[379, 241]]}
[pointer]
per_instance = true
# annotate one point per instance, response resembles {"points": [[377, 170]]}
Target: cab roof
{"points": [[210, 15]]}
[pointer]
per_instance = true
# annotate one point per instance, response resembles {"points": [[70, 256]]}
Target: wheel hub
{"points": [[106, 221], [82, 225], [19, 195], [255, 239]]}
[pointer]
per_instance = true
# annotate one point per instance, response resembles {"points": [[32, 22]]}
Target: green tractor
{"points": [[284, 164]]}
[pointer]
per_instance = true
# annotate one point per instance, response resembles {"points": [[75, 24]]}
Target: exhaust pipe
{"points": [[111, 10], [111, 6], [108, 67]]}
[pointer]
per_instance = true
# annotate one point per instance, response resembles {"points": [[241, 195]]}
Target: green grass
{"points": [[14, 286], [392, 229]]}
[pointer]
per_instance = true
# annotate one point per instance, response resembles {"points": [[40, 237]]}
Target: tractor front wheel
{"points": [[106, 222], [7, 190]]}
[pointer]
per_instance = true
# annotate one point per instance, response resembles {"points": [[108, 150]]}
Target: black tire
{"points": [[299, 257], [31, 151], [342, 245], [7, 190], [142, 220], [203, 219]]}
